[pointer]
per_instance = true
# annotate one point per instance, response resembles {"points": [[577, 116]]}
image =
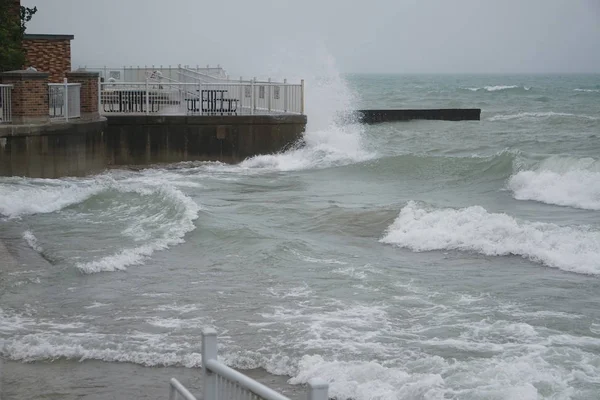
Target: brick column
{"points": [[29, 96], [89, 92]]}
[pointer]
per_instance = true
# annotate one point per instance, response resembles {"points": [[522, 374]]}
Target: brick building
{"points": [[46, 53], [49, 53]]}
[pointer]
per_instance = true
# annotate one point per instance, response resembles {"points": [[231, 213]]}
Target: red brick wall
{"points": [[51, 56], [29, 95]]}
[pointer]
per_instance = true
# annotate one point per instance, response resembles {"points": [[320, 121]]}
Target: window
{"points": [[261, 92], [276, 92], [247, 91]]}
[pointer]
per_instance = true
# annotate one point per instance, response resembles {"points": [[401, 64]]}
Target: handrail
{"points": [[245, 382], [176, 98], [224, 383], [5, 103], [178, 389]]}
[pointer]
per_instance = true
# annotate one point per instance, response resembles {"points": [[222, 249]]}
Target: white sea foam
{"points": [[315, 260], [587, 90], [501, 87], [540, 115], [497, 88], [32, 241], [38, 196], [96, 304], [327, 141], [563, 181], [574, 249]]}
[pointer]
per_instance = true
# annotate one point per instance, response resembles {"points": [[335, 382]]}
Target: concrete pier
{"points": [[82, 147], [443, 114]]}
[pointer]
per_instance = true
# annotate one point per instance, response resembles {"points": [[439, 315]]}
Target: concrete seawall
{"points": [[443, 114], [54, 149], [139, 140], [78, 148]]}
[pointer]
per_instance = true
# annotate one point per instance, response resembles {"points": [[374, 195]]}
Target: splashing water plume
{"points": [[332, 137]]}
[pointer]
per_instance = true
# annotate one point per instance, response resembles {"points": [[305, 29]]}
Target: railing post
{"points": [[252, 97], [209, 352], [100, 93], [241, 104], [302, 97], [270, 95], [147, 98], [66, 99], [285, 96], [317, 389]]}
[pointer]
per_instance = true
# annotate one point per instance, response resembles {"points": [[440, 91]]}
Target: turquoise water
{"points": [[416, 260]]}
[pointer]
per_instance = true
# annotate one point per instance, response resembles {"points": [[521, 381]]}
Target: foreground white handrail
{"points": [[224, 383], [177, 389]]}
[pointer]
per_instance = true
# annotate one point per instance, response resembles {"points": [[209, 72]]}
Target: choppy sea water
{"points": [[415, 260]]}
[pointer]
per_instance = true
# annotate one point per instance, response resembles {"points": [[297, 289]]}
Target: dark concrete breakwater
{"points": [[442, 114], [82, 147]]}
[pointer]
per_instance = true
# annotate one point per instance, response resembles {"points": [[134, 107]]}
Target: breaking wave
{"points": [[563, 181], [498, 88], [421, 228], [540, 115], [587, 90], [163, 217]]}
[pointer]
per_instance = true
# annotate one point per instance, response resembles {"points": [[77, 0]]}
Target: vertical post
{"points": [[252, 97], [302, 97], [317, 389], [147, 98], [66, 99], [285, 95], [104, 72], [209, 352], [100, 94], [241, 95], [270, 95]]}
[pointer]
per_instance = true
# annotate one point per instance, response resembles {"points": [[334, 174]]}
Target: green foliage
{"points": [[12, 28], [26, 15]]}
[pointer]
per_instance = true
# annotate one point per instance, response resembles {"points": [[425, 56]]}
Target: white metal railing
{"points": [[64, 100], [223, 98], [5, 104], [168, 72], [224, 383], [177, 389]]}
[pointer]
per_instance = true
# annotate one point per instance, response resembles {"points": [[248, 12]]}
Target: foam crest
{"points": [[540, 115], [172, 232], [587, 90], [498, 88], [32, 241], [369, 380], [474, 229], [563, 181], [39, 196]]}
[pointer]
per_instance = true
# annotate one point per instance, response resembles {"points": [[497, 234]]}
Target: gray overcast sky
{"points": [[283, 36]]}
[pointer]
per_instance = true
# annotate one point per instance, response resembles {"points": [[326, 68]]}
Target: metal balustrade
{"points": [[224, 383], [201, 98], [64, 100], [5, 104]]}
